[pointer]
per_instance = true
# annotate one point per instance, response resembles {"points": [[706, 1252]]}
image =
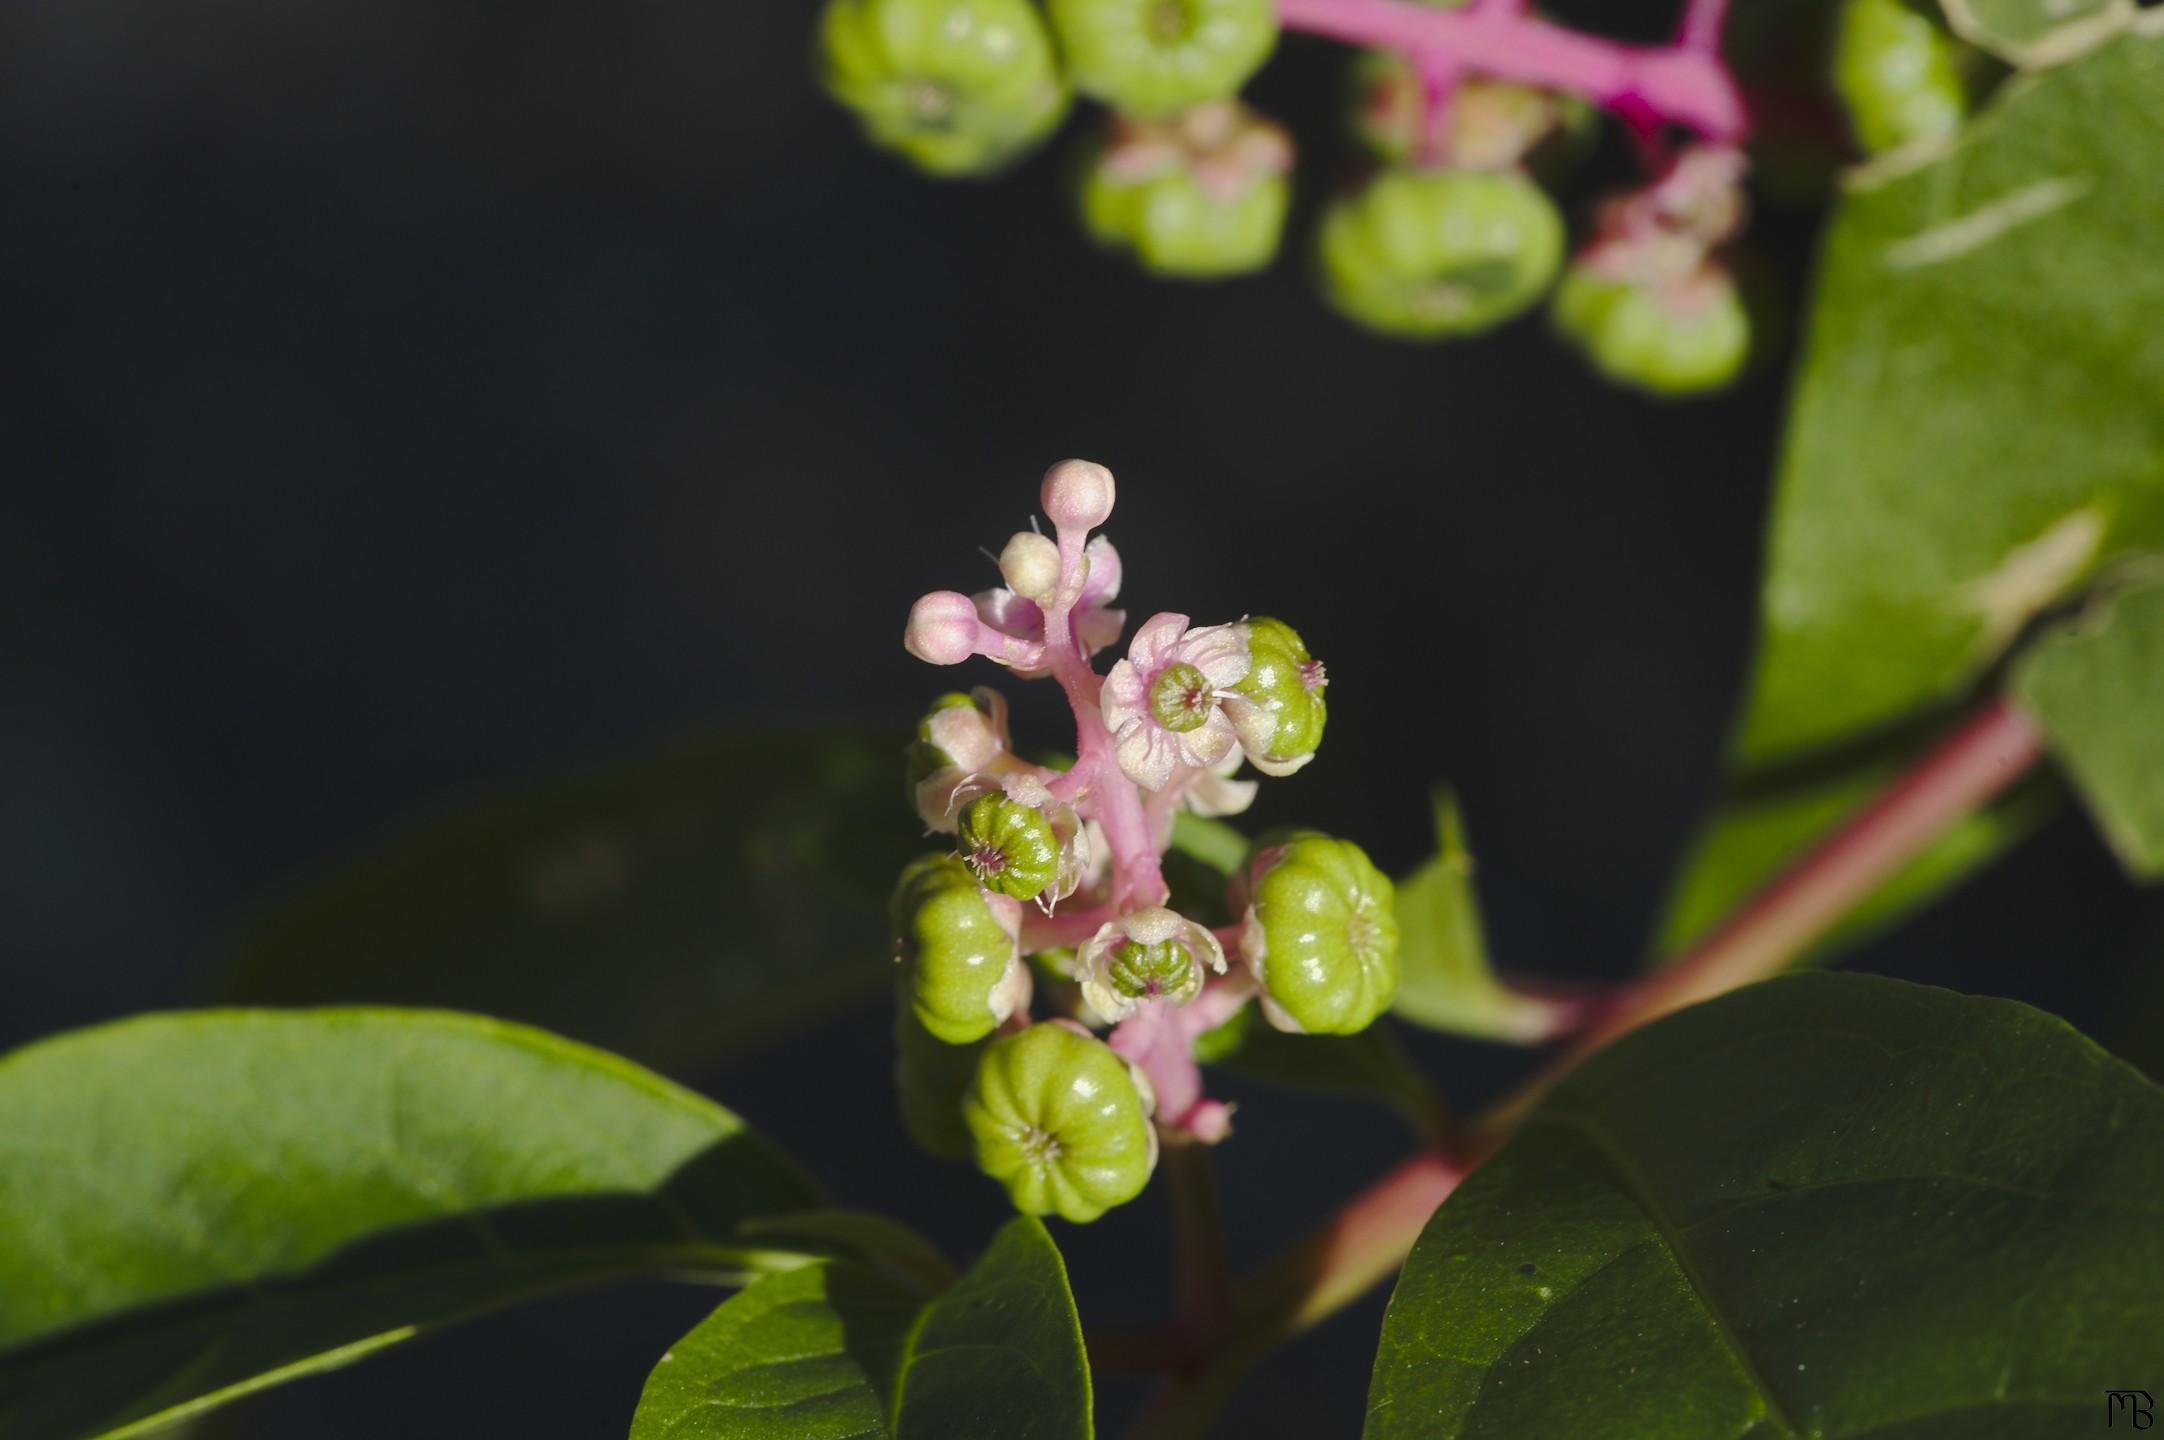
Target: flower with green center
{"points": [[1321, 935], [1198, 196], [1278, 708], [1009, 846], [1155, 57], [1061, 1122], [1425, 254], [964, 969], [960, 87], [1149, 955], [1164, 702], [1494, 124]]}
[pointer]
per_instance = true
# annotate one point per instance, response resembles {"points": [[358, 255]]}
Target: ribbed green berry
{"points": [[963, 971], [1281, 709], [1322, 932], [1010, 847], [1198, 197], [1429, 253], [1675, 340], [1898, 72], [930, 1079], [1058, 1120], [1153, 57], [961, 87]]}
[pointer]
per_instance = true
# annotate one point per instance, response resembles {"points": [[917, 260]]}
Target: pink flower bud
{"points": [[942, 628], [1078, 494]]}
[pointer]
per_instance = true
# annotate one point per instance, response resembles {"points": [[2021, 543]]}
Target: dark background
{"points": [[404, 397]]}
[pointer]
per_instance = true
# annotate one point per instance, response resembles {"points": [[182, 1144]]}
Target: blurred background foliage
{"points": [[406, 401]]}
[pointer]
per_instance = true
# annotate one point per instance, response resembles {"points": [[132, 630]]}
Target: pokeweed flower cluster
{"points": [[1050, 996]]}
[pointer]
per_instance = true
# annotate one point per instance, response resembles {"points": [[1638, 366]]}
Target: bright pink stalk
{"points": [[1684, 83]]}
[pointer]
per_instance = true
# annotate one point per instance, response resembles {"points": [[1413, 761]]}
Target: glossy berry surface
{"points": [[1009, 846], [1322, 934], [959, 87], [1426, 254], [1281, 707], [1898, 72], [1155, 57], [961, 958], [1057, 1119]]}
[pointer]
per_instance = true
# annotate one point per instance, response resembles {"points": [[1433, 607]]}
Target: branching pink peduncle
{"points": [[1683, 84]]}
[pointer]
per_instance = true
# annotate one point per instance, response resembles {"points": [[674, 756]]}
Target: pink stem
{"points": [[1064, 927], [1702, 24], [1154, 1041], [1438, 88], [1685, 85], [1994, 748]]}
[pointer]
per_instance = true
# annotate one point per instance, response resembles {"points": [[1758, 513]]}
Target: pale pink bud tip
{"points": [[1030, 565], [942, 628], [1078, 494]]}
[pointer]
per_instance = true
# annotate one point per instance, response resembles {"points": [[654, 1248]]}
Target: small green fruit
{"points": [[1430, 253], [1280, 711], [960, 87], [930, 1079], [964, 973], [1675, 339], [1058, 1119], [1322, 936], [1898, 73], [1154, 57], [1197, 197], [1010, 847]]}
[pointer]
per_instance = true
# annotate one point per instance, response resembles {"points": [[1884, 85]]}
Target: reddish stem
{"points": [[1685, 84]]}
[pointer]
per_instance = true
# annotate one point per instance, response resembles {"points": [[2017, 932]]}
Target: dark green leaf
{"points": [[2038, 32], [834, 1352], [2097, 688], [196, 1206], [1976, 429], [678, 909], [1827, 1205]]}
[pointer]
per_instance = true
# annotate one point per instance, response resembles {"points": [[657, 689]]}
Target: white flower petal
{"points": [[1218, 651], [1146, 752], [1125, 696], [1152, 648]]}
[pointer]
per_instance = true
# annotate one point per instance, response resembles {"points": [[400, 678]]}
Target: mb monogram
{"points": [[2134, 1405]]}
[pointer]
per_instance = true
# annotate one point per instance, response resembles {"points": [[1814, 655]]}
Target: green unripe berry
{"points": [[1281, 710], [960, 87], [1010, 847], [1322, 936], [1200, 196], [1669, 340], [965, 975], [930, 1079], [1898, 72], [1150, 972], [1429, 253], [1153, 57], [1058, 1119]]}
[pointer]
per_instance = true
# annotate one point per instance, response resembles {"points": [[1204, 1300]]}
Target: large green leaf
{"points": [[677, 909], [834, 1352], [1827, 1205], [2097, 688], [1976, 427], [195, 1206]]}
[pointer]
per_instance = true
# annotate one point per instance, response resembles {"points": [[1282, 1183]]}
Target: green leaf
{"points": [[2038, 32], [1759, 829], [196, 1206], [1975, 430], [2097, 688], [1445, 982], [679, 908], [835, 1352], [1827, 1205]]}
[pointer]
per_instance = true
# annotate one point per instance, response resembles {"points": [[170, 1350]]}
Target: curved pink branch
{"points": [[1684, 84]]}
